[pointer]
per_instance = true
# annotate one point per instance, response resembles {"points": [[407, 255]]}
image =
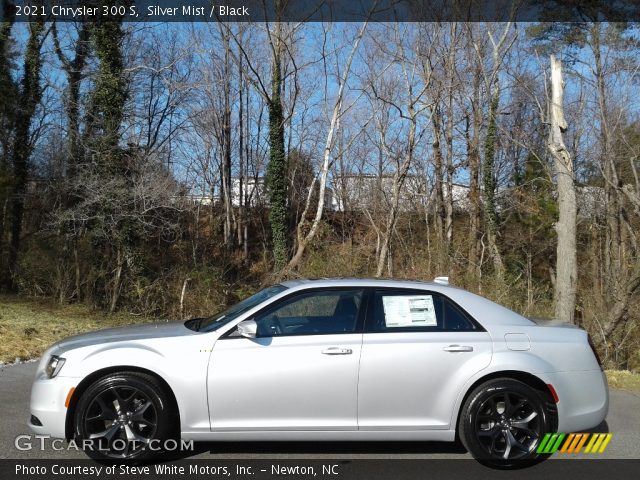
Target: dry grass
{"points": [[28, 326], [623, 380]]}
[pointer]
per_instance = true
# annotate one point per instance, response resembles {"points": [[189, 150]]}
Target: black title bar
{"points": [[324, 10]]}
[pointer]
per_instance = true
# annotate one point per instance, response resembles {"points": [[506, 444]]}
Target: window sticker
{"points": [[409, 311]]}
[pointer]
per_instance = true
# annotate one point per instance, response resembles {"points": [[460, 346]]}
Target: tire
{"points": [[502, 422], [124, 416]]}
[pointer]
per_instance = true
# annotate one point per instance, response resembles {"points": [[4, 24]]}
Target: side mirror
{"points": [[248, 329]]}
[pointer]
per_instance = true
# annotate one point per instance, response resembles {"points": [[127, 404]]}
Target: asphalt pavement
{"points": [[15, 384]]}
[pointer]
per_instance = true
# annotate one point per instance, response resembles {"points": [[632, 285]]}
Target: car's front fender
{"points": [[180, 363]]}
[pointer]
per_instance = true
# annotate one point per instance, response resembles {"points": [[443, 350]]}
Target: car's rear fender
{"points": [[523, 366], [583, 398], [545, 363], [554, 347]]}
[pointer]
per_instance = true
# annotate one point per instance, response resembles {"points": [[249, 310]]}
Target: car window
{"points": [[216, 321], [454, 318], [412, 310], [312, 313]]}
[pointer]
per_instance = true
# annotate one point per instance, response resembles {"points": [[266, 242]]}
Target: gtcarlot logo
{"points": [[45, 442]]}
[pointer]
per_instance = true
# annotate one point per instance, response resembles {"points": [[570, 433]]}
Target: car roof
{"points": [[363, 282]]}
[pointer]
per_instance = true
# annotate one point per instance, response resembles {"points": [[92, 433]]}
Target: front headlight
{"points": [[54, 365]]}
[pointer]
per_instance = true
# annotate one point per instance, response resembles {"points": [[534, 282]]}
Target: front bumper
{"points": [[583, 398], [48, 396]]}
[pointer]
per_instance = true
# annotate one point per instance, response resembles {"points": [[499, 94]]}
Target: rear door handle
{"points": [[458, 348], [337, 351]]}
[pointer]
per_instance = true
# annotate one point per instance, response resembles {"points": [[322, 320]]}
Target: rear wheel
{"points": [[124, 416], [502, 423]]}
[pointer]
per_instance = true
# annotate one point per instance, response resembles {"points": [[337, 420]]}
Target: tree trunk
{"points": [[613, 242], [488, 174], [241, 160], [473, 156], [117, 280], [439, 208], [277, 167], [74, 69], [183, 293], [108, 97], [488, 180], [398, 183], [76, 265], [7, 117], [226, 147], [30, 94], [566, 262], [449, 172]]}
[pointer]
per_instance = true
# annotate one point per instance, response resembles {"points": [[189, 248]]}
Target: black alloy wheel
{"points": [[121, 415], [502, 423]]}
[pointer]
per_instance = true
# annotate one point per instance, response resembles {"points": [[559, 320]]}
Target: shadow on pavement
{"points": [[602, 428]]}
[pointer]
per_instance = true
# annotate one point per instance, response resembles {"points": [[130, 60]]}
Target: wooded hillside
{"points": [[171, 169]]}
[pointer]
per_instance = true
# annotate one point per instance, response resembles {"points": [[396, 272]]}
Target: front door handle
{"points": [[458, 348], [337, 351]]}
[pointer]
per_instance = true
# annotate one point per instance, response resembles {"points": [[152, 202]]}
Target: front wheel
{"points": [[502, 423], [123, 416]]}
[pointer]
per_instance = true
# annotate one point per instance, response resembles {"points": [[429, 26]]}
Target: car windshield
{"points": [[219, 319]]}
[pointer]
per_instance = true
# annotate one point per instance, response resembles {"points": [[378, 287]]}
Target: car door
{"points": [[299, 373], [418, 350]]}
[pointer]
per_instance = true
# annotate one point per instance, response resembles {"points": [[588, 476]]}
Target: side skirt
{"points": [[323, 436]]}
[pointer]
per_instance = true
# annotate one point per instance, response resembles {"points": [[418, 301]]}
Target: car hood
{"points": [[128, 333]]}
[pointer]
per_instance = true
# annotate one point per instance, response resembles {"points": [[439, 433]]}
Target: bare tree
{"points": [[566, 262], [29, 96], [499, 48], [414, 91], [280, 39], [473, 119], [113, 209], [303, 239]]}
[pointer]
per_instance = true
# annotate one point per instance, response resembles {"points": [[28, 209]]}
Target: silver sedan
{"points": [[344, 359]]}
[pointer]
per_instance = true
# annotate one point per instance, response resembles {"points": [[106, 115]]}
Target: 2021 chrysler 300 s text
{"points": [[341, 359]]}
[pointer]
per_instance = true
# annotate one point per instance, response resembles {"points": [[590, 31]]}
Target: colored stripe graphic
{"points": [[567, 442], [550, 443], [580, 440], [598, 442], [594, 437], [543, 443], [605, 442], [574, 442]]}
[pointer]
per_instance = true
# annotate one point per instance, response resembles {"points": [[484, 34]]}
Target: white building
{"points": [[372, 192]]}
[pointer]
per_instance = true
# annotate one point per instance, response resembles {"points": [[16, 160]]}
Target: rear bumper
{"points": [[583, 398], [48, 396]]}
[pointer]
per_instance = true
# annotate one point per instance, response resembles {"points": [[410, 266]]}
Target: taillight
{"points": [[553, 393], [593, 349]]}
